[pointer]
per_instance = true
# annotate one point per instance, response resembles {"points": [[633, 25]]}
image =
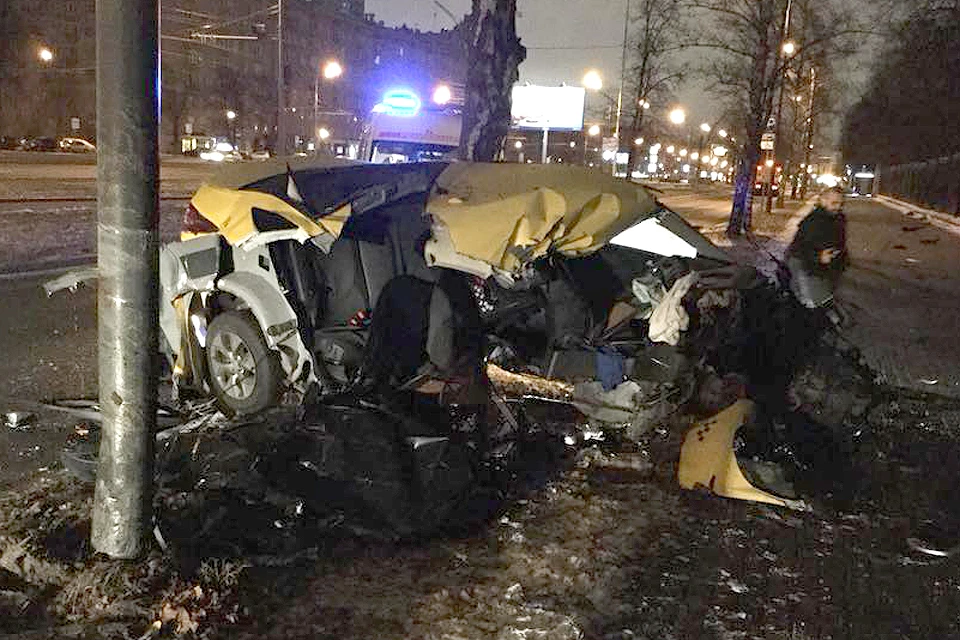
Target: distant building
{"points": [[218, 57]]}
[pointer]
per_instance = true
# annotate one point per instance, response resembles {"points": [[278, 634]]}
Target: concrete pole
{"points": [[128, 172], [281, 149]]}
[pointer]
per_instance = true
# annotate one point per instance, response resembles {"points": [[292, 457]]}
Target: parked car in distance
{"points": [[77, 145], [39, 144]]}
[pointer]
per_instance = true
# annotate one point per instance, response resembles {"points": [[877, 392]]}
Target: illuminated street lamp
{"points": [[594, 130], [231, 115], [442, 95], [323, 133], [722, 133], [705, 127], [331, 70], [592, 80], [789, 47], [678, 116], [45, 55], [638, 141]]}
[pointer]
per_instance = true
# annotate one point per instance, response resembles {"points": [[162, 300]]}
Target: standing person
{"points": [[817, 256]]}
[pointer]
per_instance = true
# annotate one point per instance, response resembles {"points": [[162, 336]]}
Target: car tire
{"points": [[244, 373]]}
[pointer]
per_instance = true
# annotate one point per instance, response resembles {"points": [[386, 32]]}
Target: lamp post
{"points": [[232, 118], [331, 70], [592, 132]]}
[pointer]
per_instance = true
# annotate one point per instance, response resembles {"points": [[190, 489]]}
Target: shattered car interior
{"points": [[395, 286]]}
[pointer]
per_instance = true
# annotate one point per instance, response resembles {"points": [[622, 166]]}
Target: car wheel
{"points": [[244, 372]]}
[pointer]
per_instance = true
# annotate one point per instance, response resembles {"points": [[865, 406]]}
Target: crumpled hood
{"points": [[507, 214]]}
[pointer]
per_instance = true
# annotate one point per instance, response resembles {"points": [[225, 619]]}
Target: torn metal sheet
{"points": [[708, 461], [71, 280], [90, 410]]}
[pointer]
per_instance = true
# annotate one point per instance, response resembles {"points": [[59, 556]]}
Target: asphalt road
{"points": [[902, 302]]}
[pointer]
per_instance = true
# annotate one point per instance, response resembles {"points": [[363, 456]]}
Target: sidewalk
{"points": [[938, 219], [710, 211]]}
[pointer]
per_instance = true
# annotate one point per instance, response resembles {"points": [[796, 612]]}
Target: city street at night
{"points": [[479, 320]]}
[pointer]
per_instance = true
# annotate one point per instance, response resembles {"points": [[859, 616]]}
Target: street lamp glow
{"points": [[670, 149], [442, 95], [573, 145], [722, 133], [683, 153], [592, 80], [638, 141], [323, 133], [645, 104], [45, 55], [789, 47], [332, 70], [769, 163], [594, 130], [518, 145], [231, 115], [705, 127], [694, 156], [678, 116]]}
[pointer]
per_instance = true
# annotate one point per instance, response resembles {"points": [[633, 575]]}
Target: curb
{"points": [[940, 220]]}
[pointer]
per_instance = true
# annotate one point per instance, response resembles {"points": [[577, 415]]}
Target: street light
{"points": [[594, 130], [332, 70], [323, 133], [231, 115], [45, 55], [705, 127], [722, 133], [442, 95], [678, 116], [592, 80], [638, 141], [789, 47]]}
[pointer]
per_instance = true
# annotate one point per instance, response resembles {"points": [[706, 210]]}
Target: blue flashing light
{"points": [[399, 102]]}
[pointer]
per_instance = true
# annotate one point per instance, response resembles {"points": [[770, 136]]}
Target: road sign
{"points": [[75, 124], [767, 141]]}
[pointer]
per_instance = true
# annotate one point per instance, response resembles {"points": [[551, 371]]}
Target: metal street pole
{"points": [[316, 111], [781, 59], [281, 97], [623, 77], [127, 243], [543, 149], [808, 139]]}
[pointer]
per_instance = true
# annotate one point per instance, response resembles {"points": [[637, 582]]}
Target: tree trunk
{"points": [[495, 55]]}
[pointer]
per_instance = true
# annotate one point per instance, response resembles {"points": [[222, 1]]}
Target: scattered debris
{"points": [[19, 420], [71, 280]]}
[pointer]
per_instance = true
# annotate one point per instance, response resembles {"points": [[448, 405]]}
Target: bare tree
{"points": [[495, 54], [750, 65], [657, 32]]}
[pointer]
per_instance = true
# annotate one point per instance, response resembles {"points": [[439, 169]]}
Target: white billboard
{"points": [[555, 108]]}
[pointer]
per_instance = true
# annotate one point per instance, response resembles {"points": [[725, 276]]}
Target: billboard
{"points": [[555, 108]]}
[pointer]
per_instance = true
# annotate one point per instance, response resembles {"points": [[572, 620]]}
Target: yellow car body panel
{"points": [[231, 211], [529, 210], [708, 462]]}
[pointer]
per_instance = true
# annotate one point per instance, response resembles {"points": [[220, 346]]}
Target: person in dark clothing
{"points": [[818, 255]]}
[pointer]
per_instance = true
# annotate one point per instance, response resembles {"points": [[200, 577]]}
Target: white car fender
{"points": [[276, 318]]}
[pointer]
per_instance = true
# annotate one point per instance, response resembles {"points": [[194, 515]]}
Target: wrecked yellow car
{"points": [[292, 277]]}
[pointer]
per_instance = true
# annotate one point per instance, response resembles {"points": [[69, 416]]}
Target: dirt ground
{"points": [[593, 540]]}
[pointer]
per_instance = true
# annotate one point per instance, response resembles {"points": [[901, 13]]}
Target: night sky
{"points": [[563, 39]]}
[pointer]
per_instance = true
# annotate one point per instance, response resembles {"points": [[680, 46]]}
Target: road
{"points": [[899, 292], [902, 303]]}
